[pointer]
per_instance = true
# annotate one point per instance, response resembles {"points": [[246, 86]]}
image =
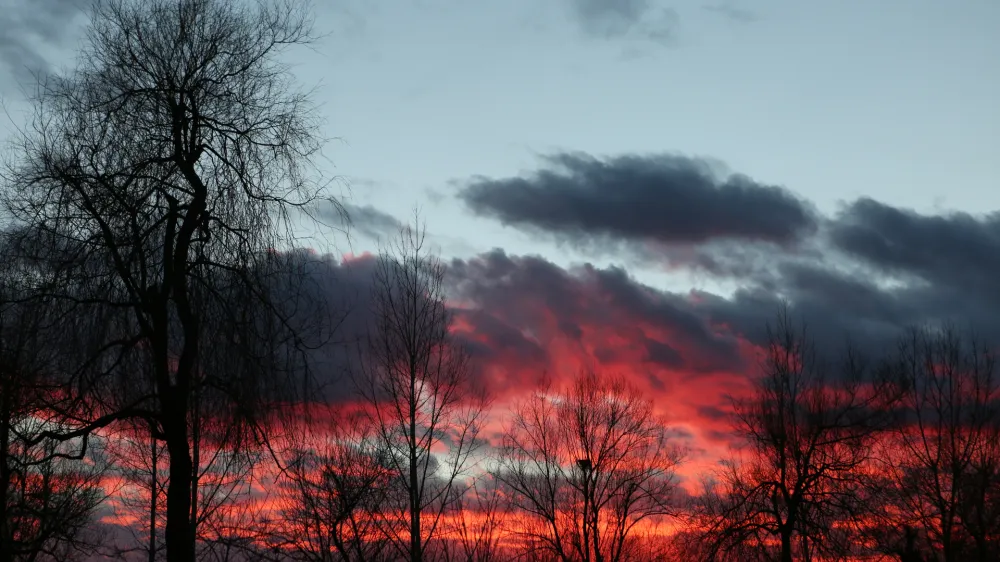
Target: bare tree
{"points": [[240, 536], [51, 506], [225, 461], [478, 523], [980, 496], [425, 406], [138, 460], [806, 435], [941, 463], [47, 493], [163, 167], [334, 493], [586, 469]]}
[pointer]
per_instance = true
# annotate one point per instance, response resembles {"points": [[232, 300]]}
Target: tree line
{"points": [[157, 329]]}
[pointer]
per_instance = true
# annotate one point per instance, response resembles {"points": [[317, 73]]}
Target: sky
{"points": [[638, 184], [831, 100]]}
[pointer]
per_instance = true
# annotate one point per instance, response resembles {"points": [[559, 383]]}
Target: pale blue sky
{"points": [[894, 99]]}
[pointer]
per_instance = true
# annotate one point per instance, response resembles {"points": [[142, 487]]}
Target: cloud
{"points": [[28, 25], [536, 321], [489, 340], [661, 199], [338, 292], [524, 319], [588, 317], [616, 19], [871, 271], [365, 219], [862, 274], [956, 249], [732, 12]]}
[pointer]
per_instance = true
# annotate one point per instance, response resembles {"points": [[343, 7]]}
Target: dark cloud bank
{"points": [[863, 275], [668, 199]]}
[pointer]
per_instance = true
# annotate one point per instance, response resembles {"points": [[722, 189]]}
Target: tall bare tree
{"points": [[154, 185], [806, 436], [424, 403], [942, 464], [585, 469]]}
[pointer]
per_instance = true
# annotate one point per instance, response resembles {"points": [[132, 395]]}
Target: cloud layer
{"points": [[27, 25], [861, 275], [665, 199], [617, 19]]}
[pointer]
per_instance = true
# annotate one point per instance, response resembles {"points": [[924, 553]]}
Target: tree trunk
{"points": [[946, 545], [179, 531], [152, 504], [6, 539], [195, 467], [415, 546], [786, 545], [982, 548], [595, 528], [585, 520]]}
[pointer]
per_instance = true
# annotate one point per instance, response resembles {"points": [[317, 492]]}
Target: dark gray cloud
{"points": [[332, 292], [661, 199], [955, 249], [365, 219], [620, 321], [616, 19], [877, 270], [593, 308], [340, 292], [26, 27], [862, 275], [870, 272], [490, 340]]}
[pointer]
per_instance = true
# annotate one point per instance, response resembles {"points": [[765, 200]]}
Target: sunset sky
{"points": [[634, 185]]}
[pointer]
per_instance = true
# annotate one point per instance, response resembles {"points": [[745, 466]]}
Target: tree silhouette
{"points": [[152, 186], [583, 469], [478, 523], [806, 435], [941, 463], [335, 491], [48, 494], [424, 405], [138, 460]]}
